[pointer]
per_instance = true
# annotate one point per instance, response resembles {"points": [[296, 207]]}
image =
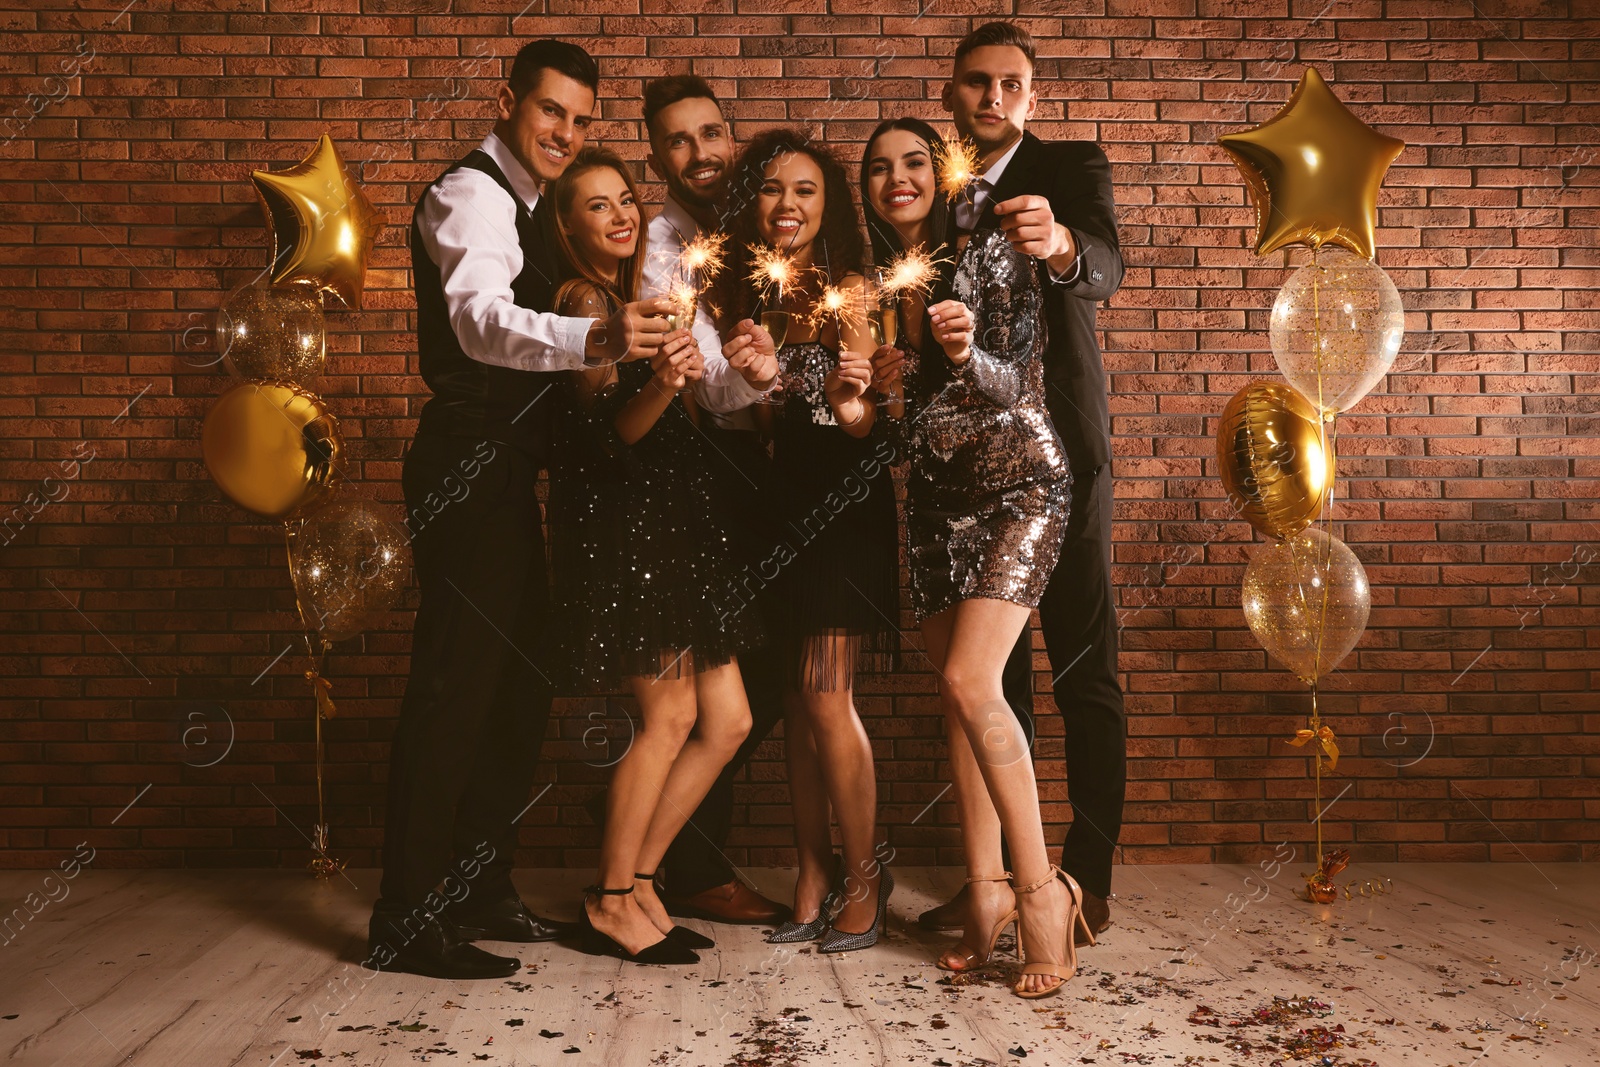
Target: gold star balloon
{"points": [[1314, 170], [322, 224]]}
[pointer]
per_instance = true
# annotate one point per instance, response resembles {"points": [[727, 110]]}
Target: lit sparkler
{"points": [[837, 304], [771, 269], [912, 271], [703, 256], [956, 163]]}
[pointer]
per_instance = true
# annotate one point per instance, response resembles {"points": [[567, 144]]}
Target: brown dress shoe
{"points": [[733, 902], [1096, 912], [951, 915]]}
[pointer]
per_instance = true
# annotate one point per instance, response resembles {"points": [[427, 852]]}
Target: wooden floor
{"points": [[1460, 965]]}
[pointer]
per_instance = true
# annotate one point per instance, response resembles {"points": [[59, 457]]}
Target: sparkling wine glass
{"points": [[776, 323]]}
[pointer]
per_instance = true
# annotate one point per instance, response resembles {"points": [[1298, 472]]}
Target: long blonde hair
{"points": [[630, 272]]}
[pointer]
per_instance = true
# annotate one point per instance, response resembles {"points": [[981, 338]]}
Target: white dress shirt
{"points": [[469, 228], [969, 208], [723, 391]]}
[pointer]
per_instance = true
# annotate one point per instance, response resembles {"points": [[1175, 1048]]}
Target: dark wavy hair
{"points": [[838, 244], [886, 242]]}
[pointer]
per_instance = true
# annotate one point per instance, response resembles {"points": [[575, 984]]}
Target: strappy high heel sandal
{"points": [[1064, 971], [972, 958], [791, 932], [681, 934], [596, 943]]}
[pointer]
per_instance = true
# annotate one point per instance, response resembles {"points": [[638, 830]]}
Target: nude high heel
{"points": [[972, 958], [1064, 971]]}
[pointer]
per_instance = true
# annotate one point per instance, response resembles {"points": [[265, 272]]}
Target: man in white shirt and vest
{"points": [[477, 699]]}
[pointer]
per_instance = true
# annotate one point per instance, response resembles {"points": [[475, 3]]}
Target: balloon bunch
{"points": [[1313, 171], [271, 444]]}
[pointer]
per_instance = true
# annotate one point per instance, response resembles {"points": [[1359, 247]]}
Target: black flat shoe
{"points": [[689, 938], [681, 934], [507, 920], [419, 942], [595, 943]]}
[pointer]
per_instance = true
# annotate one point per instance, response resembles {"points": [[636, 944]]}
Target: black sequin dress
{"points": [[836, 571], [641, 558], [987, 497]]}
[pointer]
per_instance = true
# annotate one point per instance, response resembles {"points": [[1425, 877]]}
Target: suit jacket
{"points": [[1075, 177]]}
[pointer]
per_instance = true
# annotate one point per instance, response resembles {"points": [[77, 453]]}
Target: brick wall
{"points": [[144, 615]]}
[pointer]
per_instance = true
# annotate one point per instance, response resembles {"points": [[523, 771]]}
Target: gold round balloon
{"points": [[276, 334], [349, 566], [1314, 170], [1336, 328], [1306, 599], [272, 447], [1274, 459], [322, 224]]}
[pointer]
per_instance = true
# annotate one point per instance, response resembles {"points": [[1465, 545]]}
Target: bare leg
{"points": [[980, 636], [847, 769], [667, 714], [986, 902], [721, 725], [808, 797]]}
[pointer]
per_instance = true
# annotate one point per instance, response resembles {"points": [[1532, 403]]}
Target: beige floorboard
{"points": [[1460, 965]]}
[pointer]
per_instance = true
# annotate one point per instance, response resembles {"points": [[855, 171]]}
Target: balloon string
{"points": [[323, 865], [1316, 759]]}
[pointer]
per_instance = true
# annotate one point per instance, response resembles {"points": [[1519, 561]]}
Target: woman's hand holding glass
{"points": [[846, 387], [678, 362]]}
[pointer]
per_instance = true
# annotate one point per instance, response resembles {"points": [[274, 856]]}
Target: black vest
{"points": [[470, 398]]}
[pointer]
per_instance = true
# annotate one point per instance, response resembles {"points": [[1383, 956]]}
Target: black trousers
{"points": [[477, 700], [1078, 616], [697, 859]]}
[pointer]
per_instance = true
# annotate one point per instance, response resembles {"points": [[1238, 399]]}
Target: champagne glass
{"points": [[883, 320], [776, 322]]}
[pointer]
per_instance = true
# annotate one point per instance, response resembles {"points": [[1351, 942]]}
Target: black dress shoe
{"points": [[419, 942], [507, 920]]}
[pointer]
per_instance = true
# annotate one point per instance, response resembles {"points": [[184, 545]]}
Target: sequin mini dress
{"points": [[642, 564], [988, 492]]}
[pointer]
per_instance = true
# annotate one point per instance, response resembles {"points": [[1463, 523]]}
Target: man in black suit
{"points": [[1053, 199]]}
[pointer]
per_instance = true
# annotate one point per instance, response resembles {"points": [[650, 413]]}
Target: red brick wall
{"points": [[143, 613]]}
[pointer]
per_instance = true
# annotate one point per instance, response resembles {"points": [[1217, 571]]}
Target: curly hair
{"points": [[838, 243]]}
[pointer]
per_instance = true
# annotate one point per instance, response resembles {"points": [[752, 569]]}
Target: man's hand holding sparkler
{"points": [[1031, 227], [749, 349], [633, 331]]}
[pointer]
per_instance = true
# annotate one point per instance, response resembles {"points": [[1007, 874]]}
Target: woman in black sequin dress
{"points": [[831, 583], [986, 499], [641, 565]]}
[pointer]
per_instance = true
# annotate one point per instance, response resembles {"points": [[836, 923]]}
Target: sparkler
{"points": [[912, 271], [837, 303], [956, 163], [703, 256], [771, 269]]}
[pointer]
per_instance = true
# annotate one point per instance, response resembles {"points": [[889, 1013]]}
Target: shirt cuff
{"points": [[574, 340], [1068, 276]]}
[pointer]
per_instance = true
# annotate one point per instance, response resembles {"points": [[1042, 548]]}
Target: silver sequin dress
{"points": [[987, 497]]}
